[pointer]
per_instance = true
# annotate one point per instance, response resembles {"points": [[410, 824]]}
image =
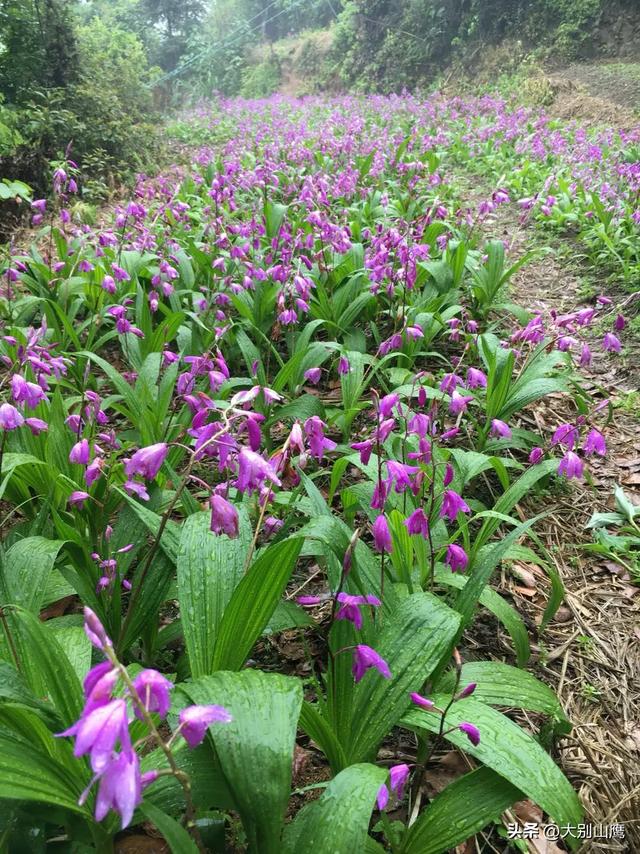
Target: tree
{"points": [[37, 47]]}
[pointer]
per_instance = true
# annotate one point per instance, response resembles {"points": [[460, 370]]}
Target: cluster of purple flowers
{"points": [[104, 724]]}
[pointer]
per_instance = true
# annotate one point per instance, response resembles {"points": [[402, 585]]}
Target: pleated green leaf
{"points": [[255, 750], [412, 642], [209, 568], [462, 809], [253, 602], [510, 751], [339, 820]]}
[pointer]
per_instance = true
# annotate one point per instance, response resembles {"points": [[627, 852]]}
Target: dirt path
{"points": [[598, 93], [590, 654]]}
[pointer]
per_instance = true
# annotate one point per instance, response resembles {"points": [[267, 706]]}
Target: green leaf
{"points": [[253, 603], [27, 566], [482, 568], [499, 607], [510, 751], [76, 646], [209, 568], [14, 690], [339, 820], [274, 215], [462, 809], [499, 684], [174, 834], [26, 774], [412, 642], [255, 749], [45, 666], [320, 730], [171, 535]]}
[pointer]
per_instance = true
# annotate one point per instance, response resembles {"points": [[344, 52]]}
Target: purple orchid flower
{"points": [[351, 605], [366, 658], [195, 720]]}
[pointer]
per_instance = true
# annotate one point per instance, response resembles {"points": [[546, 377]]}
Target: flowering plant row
{"points": [[281, 390]]}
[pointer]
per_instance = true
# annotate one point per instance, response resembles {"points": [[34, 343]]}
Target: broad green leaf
{"points": [[174, 834], [499, 607], [510, 751], [209, 568], [339, 820], [412, 642], [15, 691], [255, 749], [27, 566], [462, 809], [77, 648], [45, 666], [318, 728], [482, 568], [274, 215], [26, 774], [253, 602], [499, 684], [208, 785]]}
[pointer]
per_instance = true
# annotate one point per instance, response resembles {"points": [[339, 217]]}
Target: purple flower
{"points": [[36, 425], [399, 474], [195, 720], [98, 731], [80, 453], [351, 605], [153, 690], [272, 525], [452, 504], [25, 392], [365, 450], [476, 378], [364, 658], [611, 343], [456, 558], [595, 443], [313, 375], [343, 365], [224, 516], [120, 788], [78, 498], [147, 461], [417, 523], [535, 456], [398, 776], [499, 429], [308, 601], [448, 475], [585, 356], [619, 323], [132, 487], [314, 430], [571, 465], [567, 435], [459, 402], [421, 701], [253, 470], [388, 404], [381, 535], [94, 630], [98, 686], [449, 383], [467, 691], [472, 732], [10, 418], [95, 676]]}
